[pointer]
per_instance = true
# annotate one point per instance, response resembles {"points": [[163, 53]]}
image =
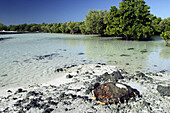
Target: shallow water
{"points": [[32, 58]]}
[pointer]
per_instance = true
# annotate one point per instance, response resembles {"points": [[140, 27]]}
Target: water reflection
{"points": [[130, 55], [165, 53]]}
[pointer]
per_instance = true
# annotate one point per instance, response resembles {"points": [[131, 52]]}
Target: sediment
{"points": [[77, 95]]}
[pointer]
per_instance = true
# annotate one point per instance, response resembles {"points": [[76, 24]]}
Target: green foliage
{"points": [[165, 36], [164, 25], [155, 24], [73, 27], [94, 21], [63, 28], [3, 27], [112, 21], [131, 20], [83, 28]]}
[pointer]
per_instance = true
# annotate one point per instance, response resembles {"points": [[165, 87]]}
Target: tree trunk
{"points": [[126, 37], [166, 42]]}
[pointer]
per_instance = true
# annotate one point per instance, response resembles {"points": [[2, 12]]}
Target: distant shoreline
{"points": [[15, 32]]}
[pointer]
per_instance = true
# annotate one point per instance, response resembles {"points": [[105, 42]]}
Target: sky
{"points": [[14, 12]]}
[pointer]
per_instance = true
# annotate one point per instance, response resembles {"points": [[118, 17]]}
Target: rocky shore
{"points": [[76, 95]]}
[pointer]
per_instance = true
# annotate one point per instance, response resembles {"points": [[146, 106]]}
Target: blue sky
{"points": [[55, 11]]}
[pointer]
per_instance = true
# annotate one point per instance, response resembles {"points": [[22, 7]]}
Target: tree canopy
{"points": [[94, 21], [132, 20]]}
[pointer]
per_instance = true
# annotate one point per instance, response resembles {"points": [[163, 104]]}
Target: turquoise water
{"points": [[32, 58]]}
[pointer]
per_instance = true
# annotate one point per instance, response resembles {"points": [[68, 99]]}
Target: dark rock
{"points": [[81, 54], [164, 90], [102, 63], [124, 55], [1, 39], [155, 66], [127, 63], [33, 93], [69, 76], [14, 98], [62, 95], [19, 90], [96, 85], [4, 75], [143, 76], [98, 66], [74, 96], [144, 51], [49, 56], [130, 48], [53, 103], [28, 107], [49, 98], [59, 70], [67, 103], [48, 110], [44, 106], [114, 76], [66, 109], [34, 103], [9, 91]]}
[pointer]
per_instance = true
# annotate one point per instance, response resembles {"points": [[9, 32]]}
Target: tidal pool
{"points": [[26, 59]]}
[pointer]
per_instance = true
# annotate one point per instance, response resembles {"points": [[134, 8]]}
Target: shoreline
{"points": [[16, 32], [72, 92]]}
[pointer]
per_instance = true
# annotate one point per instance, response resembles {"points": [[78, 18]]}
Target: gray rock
{"points": [[164, 90]]}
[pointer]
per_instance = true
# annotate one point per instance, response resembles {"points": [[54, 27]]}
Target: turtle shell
{"points": [[109, 93]]}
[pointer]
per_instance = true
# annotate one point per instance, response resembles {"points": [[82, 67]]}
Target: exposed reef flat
{"points": [[76, 95]]}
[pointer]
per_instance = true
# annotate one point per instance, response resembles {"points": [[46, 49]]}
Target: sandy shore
{"points": [[72, 92]]}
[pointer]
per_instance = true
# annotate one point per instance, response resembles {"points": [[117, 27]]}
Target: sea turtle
{"points": [[109, 93]]}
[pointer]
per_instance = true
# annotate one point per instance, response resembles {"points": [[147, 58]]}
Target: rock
{"points": [[114, 76], [19, 90], [81, 54], [127, 63], [98, 66], [143, 76], [144, 51], [44, 106], [130, 48], [59, 70], [48, 110], [9, 91], [124, 55], [4, 75], [164, 90], [69, 76], [34, 103], [33, 93]]}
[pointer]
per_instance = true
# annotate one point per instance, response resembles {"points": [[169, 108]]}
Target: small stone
{"points": [[69, 76], [98, 66], [81, 54], [9, 91], [127, 63], [19, 90], [48, 110], [130, 48], [124, 55]]}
